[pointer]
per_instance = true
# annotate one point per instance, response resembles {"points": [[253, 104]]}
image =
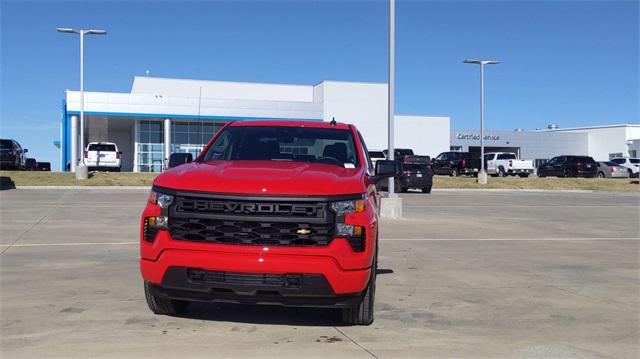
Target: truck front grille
{"points": [[250, 232], [251, 221]]}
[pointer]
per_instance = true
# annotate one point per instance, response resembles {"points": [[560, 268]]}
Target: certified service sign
{"points": [[476, 137]]}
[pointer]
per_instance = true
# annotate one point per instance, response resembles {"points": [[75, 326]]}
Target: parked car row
{"points": [[417, 172], [14, 158], [12, 155], [455, 164], [585, 166], [631, 164], [501, 164]]}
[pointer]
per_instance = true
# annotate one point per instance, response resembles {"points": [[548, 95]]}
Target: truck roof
{"points": [[290, 123]]}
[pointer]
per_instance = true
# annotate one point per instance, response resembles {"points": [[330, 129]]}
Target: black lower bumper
{"points": [[295, 290]]}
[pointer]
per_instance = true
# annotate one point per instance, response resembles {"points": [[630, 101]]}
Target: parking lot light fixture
{"points": [[81, 32], [482, 176]]}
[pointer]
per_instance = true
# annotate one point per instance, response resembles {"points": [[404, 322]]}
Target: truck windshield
{"points": [[281, 143], [6, 144]]}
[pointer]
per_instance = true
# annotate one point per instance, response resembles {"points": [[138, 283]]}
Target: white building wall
{"points": [[426, 135], [604, 141], [366, 106], [361, 104], [532, 144], [122, 103], [221, 89]]}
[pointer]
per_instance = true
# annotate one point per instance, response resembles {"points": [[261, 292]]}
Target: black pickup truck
{"points": [[455, 164]]}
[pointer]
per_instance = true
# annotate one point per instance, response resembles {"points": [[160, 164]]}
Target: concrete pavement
{"points": [[486, 274]]}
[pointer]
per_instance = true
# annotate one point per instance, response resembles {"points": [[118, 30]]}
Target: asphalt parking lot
{"points": [[464, 274]]}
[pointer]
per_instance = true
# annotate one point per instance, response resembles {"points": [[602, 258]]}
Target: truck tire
{"points": [[362, 314], [601, 174], [426, 190], [163, 305], [454, 172], [501, 172], [567, 174]]}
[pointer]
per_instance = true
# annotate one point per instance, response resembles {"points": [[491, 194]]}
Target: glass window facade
{"points": [[186, 137], [192, 136], [149, 146]]}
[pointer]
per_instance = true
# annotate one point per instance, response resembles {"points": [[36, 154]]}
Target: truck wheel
{"points": [[362, 314], [163, 305], [524, 175], [567, 174], [426, 190], [454, 172], [501, 172], [600, 174]]}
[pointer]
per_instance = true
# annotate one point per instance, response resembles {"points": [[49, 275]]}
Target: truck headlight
{"points": [[346, 207], [160, 222], [347, 230], [161, 199]]}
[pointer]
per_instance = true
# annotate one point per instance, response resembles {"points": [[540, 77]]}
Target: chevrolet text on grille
{"points": [[239, 207]]}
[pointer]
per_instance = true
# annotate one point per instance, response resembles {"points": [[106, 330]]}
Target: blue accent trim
{"points": [[194, 117], [65, 146]]}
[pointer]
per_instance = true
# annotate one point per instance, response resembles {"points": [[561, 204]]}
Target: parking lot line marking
{"points": [[523, 205], [382, 239], [67, 244], [514, 239]]}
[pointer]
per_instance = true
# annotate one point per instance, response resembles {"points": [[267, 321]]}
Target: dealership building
{"points": [[160, 116]]}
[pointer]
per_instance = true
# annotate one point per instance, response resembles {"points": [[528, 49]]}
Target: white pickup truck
{"points": [[503, 164]]}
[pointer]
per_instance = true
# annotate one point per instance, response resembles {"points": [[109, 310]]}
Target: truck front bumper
{"points": [[291, 289], [290, 280]]}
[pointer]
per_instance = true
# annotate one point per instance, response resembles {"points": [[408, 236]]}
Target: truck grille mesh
{"points": [[247, 220], [250, 232]]}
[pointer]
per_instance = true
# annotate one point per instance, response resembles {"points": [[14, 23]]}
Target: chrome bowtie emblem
{"points": [[303, 231]]}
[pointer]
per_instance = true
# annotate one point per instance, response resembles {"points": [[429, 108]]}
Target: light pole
{"points": [[391, 88], [482, 176], [81, 32]]}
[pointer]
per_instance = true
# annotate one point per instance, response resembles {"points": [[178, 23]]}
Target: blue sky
{"points": [[573, 63]]}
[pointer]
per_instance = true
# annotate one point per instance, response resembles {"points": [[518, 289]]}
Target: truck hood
{"points": [[263, 178]]}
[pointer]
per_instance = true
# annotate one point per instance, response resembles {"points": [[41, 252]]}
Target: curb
{"points": [[534, 190]]}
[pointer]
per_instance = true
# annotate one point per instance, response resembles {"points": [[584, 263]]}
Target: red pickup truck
{"points": [[270, 212]]}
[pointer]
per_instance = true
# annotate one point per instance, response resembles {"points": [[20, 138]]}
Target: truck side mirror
{"points": [[386, 169], [177, 159]]}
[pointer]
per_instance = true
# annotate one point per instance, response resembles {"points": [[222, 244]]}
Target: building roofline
{"points": [[351, 82], [220, 81], [591, 127], [414, 115]]}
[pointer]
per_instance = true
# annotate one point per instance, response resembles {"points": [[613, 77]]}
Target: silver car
{"points": [[608, 169]]}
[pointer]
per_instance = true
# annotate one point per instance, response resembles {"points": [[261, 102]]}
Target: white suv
{"points": [[103, 156], [632, 165]]}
